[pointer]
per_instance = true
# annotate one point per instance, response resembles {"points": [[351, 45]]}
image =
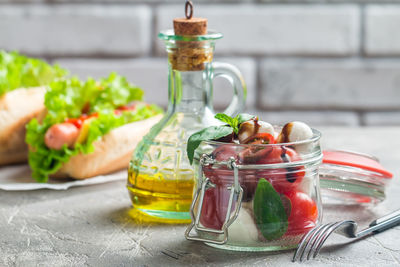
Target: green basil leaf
{"points": [[224, 118], [235, 125], [242, 117], [234, 122], [210, 133], [269, 211]]}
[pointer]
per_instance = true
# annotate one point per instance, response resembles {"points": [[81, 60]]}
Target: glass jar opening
{"points": [[169, 35]]}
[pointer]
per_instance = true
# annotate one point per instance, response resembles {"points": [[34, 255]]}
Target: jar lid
{"points": [[349, 177], [355, 159]]}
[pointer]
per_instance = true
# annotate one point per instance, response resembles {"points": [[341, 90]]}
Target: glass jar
{"points": [[349, 178], [160, 181], [255, 197]]}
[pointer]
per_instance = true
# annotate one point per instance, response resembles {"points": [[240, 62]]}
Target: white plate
{"points": [[18, 178]]}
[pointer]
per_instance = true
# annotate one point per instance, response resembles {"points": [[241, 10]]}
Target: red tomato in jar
{"points": [[221, 153], [225, 176], [303, 213], [284, 179], [260, 138], [215, 206], [225, 152], [216, 199]]}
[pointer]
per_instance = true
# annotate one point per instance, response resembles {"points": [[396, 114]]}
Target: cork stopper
{"points": [[190, 55], [192, 26]]}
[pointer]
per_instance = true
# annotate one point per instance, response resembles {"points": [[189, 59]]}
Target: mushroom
{"points": [[252, 127], [294, 131]]}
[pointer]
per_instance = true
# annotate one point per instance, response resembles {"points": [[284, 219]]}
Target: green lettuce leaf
{"points": [[18, 71], [67, 99]]}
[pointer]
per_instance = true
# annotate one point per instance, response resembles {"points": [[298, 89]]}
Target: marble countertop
{"points": [[91, 225]]}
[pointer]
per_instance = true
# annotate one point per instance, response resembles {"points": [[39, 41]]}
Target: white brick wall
{"points": [[76, 29], [382, 36], [278, 29], [330, 84], [333, 62]]}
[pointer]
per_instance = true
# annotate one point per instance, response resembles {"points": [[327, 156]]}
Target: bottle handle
{"points": [[235, 78]]}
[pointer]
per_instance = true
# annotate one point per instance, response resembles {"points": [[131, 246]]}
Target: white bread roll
{"points": [[17, 108], [113, 152]]}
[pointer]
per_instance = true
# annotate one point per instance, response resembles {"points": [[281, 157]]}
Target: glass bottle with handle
{"points": [[161, 179]]}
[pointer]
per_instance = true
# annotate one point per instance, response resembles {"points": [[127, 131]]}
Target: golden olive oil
{"points": [[162, 197]]}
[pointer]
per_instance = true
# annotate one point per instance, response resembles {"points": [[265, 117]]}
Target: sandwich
{"points": [[22, 89], [90, 128]]}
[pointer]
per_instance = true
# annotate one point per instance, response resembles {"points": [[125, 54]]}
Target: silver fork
{"points": [[312, 242]]}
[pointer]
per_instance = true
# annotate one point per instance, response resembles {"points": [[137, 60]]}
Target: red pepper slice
{"points": [[79, 121], [121, 109], [126, 108], [75, 121], [260, 138]]}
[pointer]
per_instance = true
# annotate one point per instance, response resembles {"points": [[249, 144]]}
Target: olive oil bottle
{"points": [[161, 178]]}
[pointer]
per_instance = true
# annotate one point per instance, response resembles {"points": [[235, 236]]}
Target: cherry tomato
{"points": [[221, 153], [260, 138], [253, 154], [303, 213], [285, 179], [224, 152], [247, 178], [216, 199], [215, 205]]}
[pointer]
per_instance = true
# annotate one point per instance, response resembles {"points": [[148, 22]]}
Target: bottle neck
{"points": [[189, 91]]}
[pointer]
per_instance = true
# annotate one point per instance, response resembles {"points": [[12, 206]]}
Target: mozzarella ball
{"points": [[249, 128], [243, 229], [295, 131], [265, 127]]}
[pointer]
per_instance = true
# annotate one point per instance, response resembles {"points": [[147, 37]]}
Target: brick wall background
{"points": [[332, 62]]}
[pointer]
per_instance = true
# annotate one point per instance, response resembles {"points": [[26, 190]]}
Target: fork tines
{"points": [[312, 242]]}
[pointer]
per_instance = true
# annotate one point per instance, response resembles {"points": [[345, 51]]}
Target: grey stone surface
{"points": [[90, 226], [330, 84], [151, 75], [21, 1], [381, 30], [278, 29], [76, 29], [382, 118], [150, 1], [312, 118]]}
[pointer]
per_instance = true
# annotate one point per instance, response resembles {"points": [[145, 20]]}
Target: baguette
{"points": [[111, 153], [17, 108]]}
